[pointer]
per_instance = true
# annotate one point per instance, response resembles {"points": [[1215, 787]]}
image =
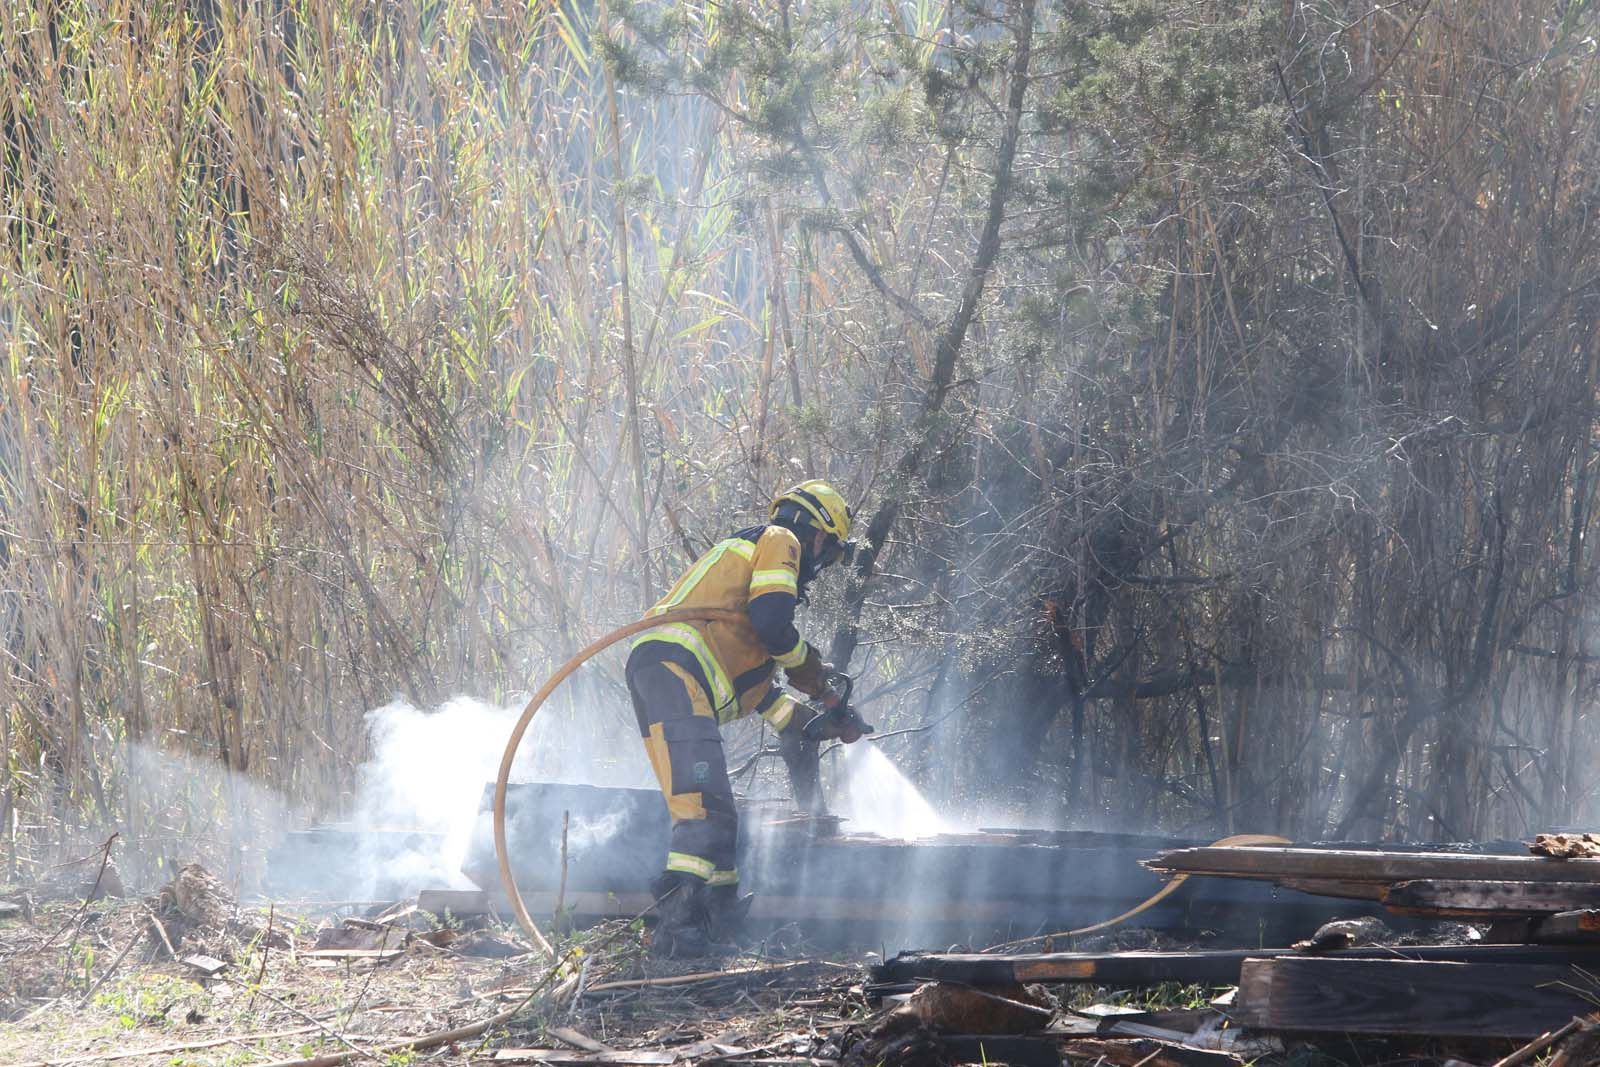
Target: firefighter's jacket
{"points": [[756, 572]]}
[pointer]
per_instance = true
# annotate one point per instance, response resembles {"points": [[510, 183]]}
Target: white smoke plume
{"points": [[420, 791]]}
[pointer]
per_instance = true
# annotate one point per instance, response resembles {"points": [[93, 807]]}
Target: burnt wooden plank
{"points": [[1444, 896], [1272, 863], [1104, 968], [1569, 927], [1214, 966], [1330, 887], [1437, 999], [379, 954]]}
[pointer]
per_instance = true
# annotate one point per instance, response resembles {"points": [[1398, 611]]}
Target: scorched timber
{"points": [[1568, 927], [1437, 999], [1331, 867], [1488, 899], [1209, 967]]}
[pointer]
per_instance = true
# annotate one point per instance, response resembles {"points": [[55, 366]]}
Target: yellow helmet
{"points": [[822, 503]]}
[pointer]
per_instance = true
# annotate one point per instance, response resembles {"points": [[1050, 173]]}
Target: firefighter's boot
{"points": [[725, 912], [682, 931]]}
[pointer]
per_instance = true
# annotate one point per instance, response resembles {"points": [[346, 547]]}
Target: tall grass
{"points": [[314, 376]]}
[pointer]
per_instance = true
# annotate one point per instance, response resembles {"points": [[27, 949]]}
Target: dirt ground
{"points": [[109, 983]]}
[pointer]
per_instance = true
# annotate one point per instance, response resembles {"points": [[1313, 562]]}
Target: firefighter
{"points": [[687, 679]]}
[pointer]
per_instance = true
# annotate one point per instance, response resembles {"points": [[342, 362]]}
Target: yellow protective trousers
{"points": [[685, 749]]}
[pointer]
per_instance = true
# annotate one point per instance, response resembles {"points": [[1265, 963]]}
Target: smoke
{"points": [[191, 809], [420, 792], [416, 799]]}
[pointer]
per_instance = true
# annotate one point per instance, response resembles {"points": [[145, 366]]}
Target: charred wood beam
{"points": [[1215, 966], [1434, 896], [1141, 1052], [1384, 868], [1568, 927], [1436, 999]]}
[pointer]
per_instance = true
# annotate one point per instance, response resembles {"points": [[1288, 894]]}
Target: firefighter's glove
{"points": [[808, 677], [836, 724]]}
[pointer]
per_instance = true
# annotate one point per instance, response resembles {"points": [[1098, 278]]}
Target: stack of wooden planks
{"points": [[1471, 990], [1536, 898], [1539, 901], [1536, 969]]}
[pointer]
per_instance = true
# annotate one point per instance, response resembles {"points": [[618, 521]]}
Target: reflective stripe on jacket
{"points": [[757, 572]]}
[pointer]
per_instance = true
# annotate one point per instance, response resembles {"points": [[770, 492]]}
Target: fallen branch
{"points": [[266, 950], [162, 930], [690, 979], [1539, 1044], [105, 858], [111, 970]]}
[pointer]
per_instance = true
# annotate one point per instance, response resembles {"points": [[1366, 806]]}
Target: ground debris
{"points": [[354, 938], [897, 1040], [606, 1004], [563, 1057], [198, 896], [1346, 933], [954, 1008]]}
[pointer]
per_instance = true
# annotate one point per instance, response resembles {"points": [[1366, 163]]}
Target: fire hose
{"points": [[507, 880], [1155, 898]]}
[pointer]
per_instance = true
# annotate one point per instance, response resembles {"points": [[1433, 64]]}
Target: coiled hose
{"points": [[507, 879]]}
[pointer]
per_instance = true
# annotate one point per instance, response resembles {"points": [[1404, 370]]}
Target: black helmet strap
{"points": [[791, 516]]}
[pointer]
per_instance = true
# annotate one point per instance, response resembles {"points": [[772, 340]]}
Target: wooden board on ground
{"points": [[1328, 865], [1396, 997], [209, 966], [578, 1039], [1108, 1017], [1208, 967], [560, 1057], [1102, 968], [1475, 899]]}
